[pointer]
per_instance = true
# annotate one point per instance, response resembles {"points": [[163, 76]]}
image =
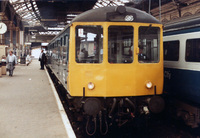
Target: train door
{"points": [[120, 69], [54, 56], [57, 58], [66, 57], [59, 65]]}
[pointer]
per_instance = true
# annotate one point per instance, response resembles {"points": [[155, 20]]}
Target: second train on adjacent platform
{"points": [[182, 68], [110, 61]]}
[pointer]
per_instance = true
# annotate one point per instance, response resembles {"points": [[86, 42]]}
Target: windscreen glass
{"points": [[89, 44], [120, 44], [149, 44]]}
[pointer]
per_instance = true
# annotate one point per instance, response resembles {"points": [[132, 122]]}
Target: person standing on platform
{"points": [[11, 61], [42, 59]]}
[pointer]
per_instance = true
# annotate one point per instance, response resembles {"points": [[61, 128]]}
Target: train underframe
{"points": [[113, 110]]}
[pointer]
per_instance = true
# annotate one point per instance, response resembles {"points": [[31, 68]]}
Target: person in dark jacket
{"points": [[42, 59]]}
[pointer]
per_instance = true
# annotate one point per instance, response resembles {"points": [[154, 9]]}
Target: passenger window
{"points": [[89, 44], [66, 47], [192, 50], [171, 50], [64, 40], [61, 42], [120, 44], [149, 44]]}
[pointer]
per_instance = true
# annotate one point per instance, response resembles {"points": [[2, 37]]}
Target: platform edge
{"points": [[65, 120]]}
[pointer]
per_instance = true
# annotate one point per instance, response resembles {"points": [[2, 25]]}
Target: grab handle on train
{"points": [[138, 50]]}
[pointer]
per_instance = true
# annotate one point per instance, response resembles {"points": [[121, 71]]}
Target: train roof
{"points": [[113, 14], [116, 14], [182, 23]]}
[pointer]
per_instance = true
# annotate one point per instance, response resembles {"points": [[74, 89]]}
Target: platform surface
{"points": [[28, 107]]}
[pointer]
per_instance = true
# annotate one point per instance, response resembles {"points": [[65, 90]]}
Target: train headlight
{"points": [[90, 85], [149, 85]]}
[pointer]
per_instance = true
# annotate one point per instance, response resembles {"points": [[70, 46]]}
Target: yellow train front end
{"points": [[115, 68]]}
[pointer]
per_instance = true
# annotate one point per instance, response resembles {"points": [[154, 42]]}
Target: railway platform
{"points": [[29, 107]]}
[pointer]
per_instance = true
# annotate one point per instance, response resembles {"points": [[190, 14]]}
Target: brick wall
{"points": [[172, 10]]}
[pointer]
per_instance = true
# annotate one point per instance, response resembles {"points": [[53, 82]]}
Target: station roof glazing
{"points": [[104, 3], [50, 17], [28, 11]]}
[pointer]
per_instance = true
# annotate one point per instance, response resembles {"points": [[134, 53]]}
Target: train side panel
{"points": [[182, 77]]}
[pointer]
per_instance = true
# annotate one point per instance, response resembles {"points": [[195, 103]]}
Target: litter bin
{"points": [[22, 60], [3, 67], [0, 70]]}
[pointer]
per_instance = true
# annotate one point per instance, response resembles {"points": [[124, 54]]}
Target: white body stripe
{"points": [[182, 64]]}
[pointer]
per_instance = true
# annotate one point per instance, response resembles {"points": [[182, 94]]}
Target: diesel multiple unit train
{"points": [[110, 61], [182, 67]]}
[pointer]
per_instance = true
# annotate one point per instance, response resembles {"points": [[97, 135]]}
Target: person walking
{"points": [[42, 59], [11, 61]]}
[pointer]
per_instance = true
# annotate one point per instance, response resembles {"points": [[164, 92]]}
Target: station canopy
{"points": [[56, 14], [49, 17], [28, 11]]}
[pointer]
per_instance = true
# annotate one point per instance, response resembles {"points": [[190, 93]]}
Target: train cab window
{"points": [[120, 44], [149, 44], [171, 50], [192, 50], [89, 44]]}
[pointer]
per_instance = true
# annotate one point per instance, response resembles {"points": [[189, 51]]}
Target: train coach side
{"points": [[182, 68]]}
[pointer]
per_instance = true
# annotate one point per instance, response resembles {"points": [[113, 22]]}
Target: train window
{"points": [[67, 49], [64, 40], [58, 42], [120, 44], [55, 44], [192, 50], [149, 44], [89, 44], [171, 50], [61, 41]]}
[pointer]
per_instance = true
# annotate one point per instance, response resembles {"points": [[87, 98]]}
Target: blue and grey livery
{"points": [[182, 67]]}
